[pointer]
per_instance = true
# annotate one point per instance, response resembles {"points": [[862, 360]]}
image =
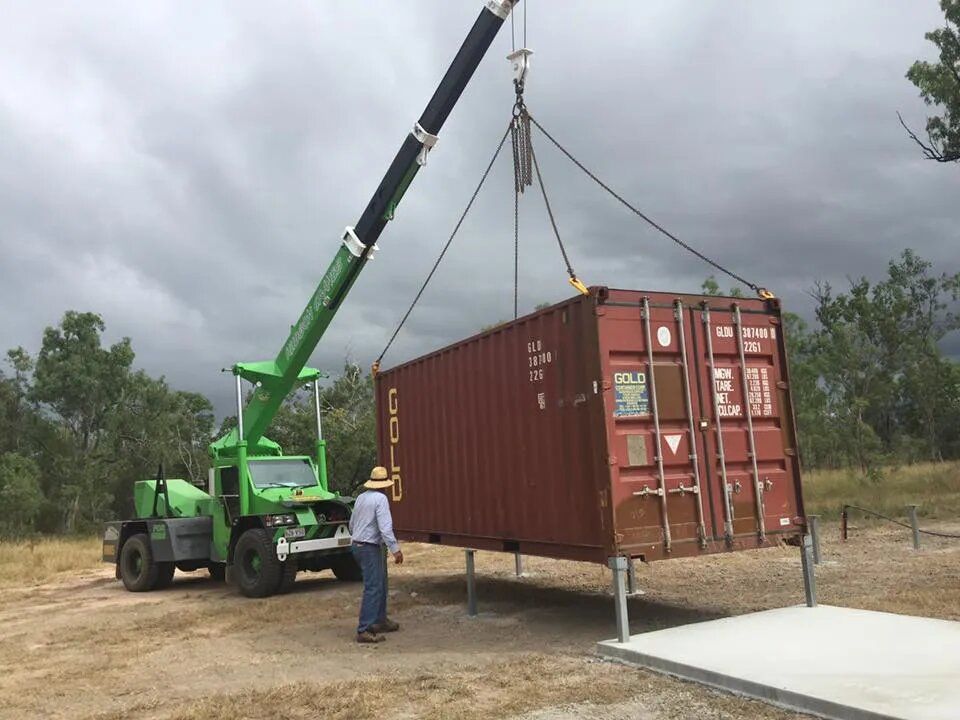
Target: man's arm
{"points": [[385, 523]]}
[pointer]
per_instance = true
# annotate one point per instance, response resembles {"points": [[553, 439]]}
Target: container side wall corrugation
{"points": [[539, 435]]}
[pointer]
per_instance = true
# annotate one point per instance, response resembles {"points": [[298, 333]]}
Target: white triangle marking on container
{"points": [[673, 441]]}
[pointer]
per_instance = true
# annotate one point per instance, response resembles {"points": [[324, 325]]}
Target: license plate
{"points": [[297, 532], [343, 541]]}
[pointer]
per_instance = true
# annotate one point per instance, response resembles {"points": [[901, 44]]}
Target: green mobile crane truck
{"points": [[266, 515]]}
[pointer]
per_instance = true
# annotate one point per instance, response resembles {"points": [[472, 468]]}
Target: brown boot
{"points": [[369, 637], [386, 626]]}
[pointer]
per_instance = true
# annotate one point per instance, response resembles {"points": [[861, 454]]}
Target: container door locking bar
{"points": [[694, 458], [645, 316], [727, 507], [757, 487]]}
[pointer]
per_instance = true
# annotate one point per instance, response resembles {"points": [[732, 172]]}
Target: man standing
{"points": [[371, 526]]}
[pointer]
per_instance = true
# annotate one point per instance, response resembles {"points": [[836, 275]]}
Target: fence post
{"points": [[843, 524], [912, 509], [815, 536], [518, 563]]}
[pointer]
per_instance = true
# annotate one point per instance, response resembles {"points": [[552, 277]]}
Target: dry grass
{"points": [[30, 562], [935, 487], [497, 690]]}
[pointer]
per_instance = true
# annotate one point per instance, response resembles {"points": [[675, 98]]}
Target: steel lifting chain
{"points": [[463, 216], [524, 166], [762, 292], [522, 177], [520, 138]]}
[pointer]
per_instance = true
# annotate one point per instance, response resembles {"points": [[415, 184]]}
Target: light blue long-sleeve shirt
{"points": [[372, 522]]}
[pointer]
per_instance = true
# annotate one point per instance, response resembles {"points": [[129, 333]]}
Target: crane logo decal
{"points": [[393, 408], [320, 299]]}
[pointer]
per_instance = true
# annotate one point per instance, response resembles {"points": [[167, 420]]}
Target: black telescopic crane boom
{"points": [[274, 380]]}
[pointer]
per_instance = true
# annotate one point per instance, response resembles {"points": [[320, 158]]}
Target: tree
{"points": [[887, 382], [816, 435], [939, 85], [711, 287], [20, 494], [350, 426], [18, 416], [78, 379], [80, 384], [155, 425]]}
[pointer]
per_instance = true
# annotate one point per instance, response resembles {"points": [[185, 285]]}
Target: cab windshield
{"points": [[282, 473]]}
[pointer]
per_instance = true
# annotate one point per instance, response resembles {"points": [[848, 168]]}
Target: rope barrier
{"points": [[898, 522]]}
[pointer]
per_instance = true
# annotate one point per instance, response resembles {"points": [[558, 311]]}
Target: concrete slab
{"points": [[828, 661]]}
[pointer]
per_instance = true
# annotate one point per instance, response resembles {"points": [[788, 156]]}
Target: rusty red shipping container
{"points": [[595, 428]]}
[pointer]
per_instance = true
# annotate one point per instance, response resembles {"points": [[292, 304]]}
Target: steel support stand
{"points": [[814, 525], [471, 585], [912, 509], [809, 579], [619, 567], [518, 563], [631, 577]]}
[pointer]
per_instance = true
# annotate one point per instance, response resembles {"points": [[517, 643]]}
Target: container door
{"points": [[751, 461], [650, 385]]}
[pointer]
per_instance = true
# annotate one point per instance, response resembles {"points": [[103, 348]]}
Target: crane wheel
{"points": [[218, 571], [137, 569], [165, 572], [288, 575], [256, 568], [345, 568]]}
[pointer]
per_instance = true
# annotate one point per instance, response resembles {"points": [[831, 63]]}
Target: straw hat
{"points": [[378, 479]]}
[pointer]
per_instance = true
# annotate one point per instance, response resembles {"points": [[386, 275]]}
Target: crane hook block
{"points": [[520, 59]]}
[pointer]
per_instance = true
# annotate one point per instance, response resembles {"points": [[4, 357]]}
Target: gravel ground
{"points": [[79, 646]]}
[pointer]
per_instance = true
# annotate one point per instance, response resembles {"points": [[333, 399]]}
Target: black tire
{"points": [[288, 576], [345, 568], [256, 568], [137, 568], [165, 572], [218, 571]]}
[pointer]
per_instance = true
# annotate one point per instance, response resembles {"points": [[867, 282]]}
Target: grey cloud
{"points": [[186, 170]]}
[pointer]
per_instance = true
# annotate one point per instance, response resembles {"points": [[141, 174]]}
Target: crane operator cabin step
{"points": [[595, 428]]}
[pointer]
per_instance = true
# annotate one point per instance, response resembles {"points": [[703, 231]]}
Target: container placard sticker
{"points": [[631, 394]]}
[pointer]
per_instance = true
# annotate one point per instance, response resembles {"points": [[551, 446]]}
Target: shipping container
{"points": [[620, 423]]}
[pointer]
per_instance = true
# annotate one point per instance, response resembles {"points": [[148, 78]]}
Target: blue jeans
{"points": [[373, 606]]}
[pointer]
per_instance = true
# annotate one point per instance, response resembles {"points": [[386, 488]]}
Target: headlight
{"points": [[275, 520]]}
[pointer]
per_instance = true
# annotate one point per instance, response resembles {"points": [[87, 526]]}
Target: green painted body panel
{"points": [[186, 500], [266, 501]]}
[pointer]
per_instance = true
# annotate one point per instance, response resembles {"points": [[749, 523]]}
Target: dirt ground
{"points": [[81, 647]]}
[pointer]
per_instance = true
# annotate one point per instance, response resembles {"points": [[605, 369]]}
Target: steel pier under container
{"points": [[621, 423]]}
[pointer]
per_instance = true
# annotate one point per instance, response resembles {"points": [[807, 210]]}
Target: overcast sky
{"points": [[186, 169]]}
